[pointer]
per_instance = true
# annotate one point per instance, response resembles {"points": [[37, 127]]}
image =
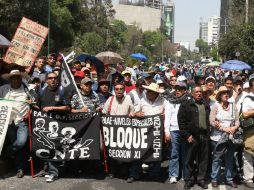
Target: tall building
{"points": [[146, 18], [169, 19], [203, 31], [213, 30], [157, 4]]}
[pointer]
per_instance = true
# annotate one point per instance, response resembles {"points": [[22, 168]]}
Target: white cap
{"points": [[181, 78], [159, 82], [246, 85]]}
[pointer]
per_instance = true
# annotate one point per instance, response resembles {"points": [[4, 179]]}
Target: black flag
{"points": [[66, 136]]}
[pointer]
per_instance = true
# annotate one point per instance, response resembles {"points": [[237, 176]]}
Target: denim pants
{"points": [[52, 169], [17, 134], [177, 154], [229, 164]]}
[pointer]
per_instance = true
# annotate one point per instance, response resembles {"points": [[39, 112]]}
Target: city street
{"points": [[98, 182]]}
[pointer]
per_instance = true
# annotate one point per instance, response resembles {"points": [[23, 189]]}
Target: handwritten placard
{"points": [[27, 42]]}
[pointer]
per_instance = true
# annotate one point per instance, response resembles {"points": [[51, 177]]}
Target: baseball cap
{"points": [[181, 78], [86, 80], [126, 72], [238, 79], [210, 77], [181, 84]]}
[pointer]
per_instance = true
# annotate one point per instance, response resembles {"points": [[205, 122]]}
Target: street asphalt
{"points": [[94, 182]]}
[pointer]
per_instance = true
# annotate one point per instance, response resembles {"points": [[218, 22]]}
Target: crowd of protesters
{"points": [[201, 107]]}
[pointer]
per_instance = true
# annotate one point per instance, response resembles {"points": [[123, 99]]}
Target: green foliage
{"points": [[90, 43], [202, 46], [238, 39]]}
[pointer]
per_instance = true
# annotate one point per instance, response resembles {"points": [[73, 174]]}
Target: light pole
{"points": [[247, 11], [49, 5], [162, 51]]}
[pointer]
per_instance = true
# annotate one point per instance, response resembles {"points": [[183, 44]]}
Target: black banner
{"points": [[129, 139], [66, 79], [66, 136]]}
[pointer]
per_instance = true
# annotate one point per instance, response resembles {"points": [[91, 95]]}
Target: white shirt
{"points": [[248, 104], [239, 100], [137, 98], [20, 107], [152, 108], [123, 107], [171, 122]]}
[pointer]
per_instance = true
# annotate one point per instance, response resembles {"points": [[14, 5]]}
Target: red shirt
{"points": [[129, 88]]}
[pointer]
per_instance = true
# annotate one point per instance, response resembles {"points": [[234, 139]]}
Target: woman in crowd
{"points": [[224, 119]]}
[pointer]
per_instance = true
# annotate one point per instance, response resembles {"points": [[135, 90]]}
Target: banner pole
{"points": [[104, 152], [30, 144], [72, 78]]}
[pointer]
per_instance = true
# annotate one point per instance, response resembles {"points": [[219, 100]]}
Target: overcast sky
{"points": [[188, 14]]}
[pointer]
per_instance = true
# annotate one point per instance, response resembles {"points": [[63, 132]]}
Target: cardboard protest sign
{"points": [[27, 42]]}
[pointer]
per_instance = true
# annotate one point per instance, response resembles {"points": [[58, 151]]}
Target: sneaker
{"points": [[173, 180], [145, 166], [249, 184], [20, 173], [50, 178], [130, 180]]}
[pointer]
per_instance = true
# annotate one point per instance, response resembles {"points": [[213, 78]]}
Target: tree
{"points": [[202, 46], [90, 43], [238, 39], [69, 18]]}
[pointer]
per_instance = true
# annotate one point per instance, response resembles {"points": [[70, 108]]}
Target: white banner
{"points": [[5, 113]]}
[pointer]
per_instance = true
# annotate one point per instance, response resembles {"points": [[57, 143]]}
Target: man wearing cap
{"points": [[248, 155], [89, 97], [193, 119], [210, 83], [172, 132], [52, 98], [147, 77], [103, 91], [17, 130], [127, 81], [151, 104]]}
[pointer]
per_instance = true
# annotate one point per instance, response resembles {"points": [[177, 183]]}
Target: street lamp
{"points": [[49, 5]]}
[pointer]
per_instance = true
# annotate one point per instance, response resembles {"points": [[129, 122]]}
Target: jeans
{"points": [[177, 154], [17, 134], [229, 164], [248, 168], [52, 169]]}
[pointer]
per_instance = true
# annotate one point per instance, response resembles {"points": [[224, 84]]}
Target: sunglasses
{"points": [[51, 78], [119, 89]]}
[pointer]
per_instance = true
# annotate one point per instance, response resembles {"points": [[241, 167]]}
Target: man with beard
{"points": [[193, 119], [172, 132]]}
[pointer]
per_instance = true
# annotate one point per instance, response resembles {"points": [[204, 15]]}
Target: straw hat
{"points": [[13, 73], [220, 91], [154, 87]]}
